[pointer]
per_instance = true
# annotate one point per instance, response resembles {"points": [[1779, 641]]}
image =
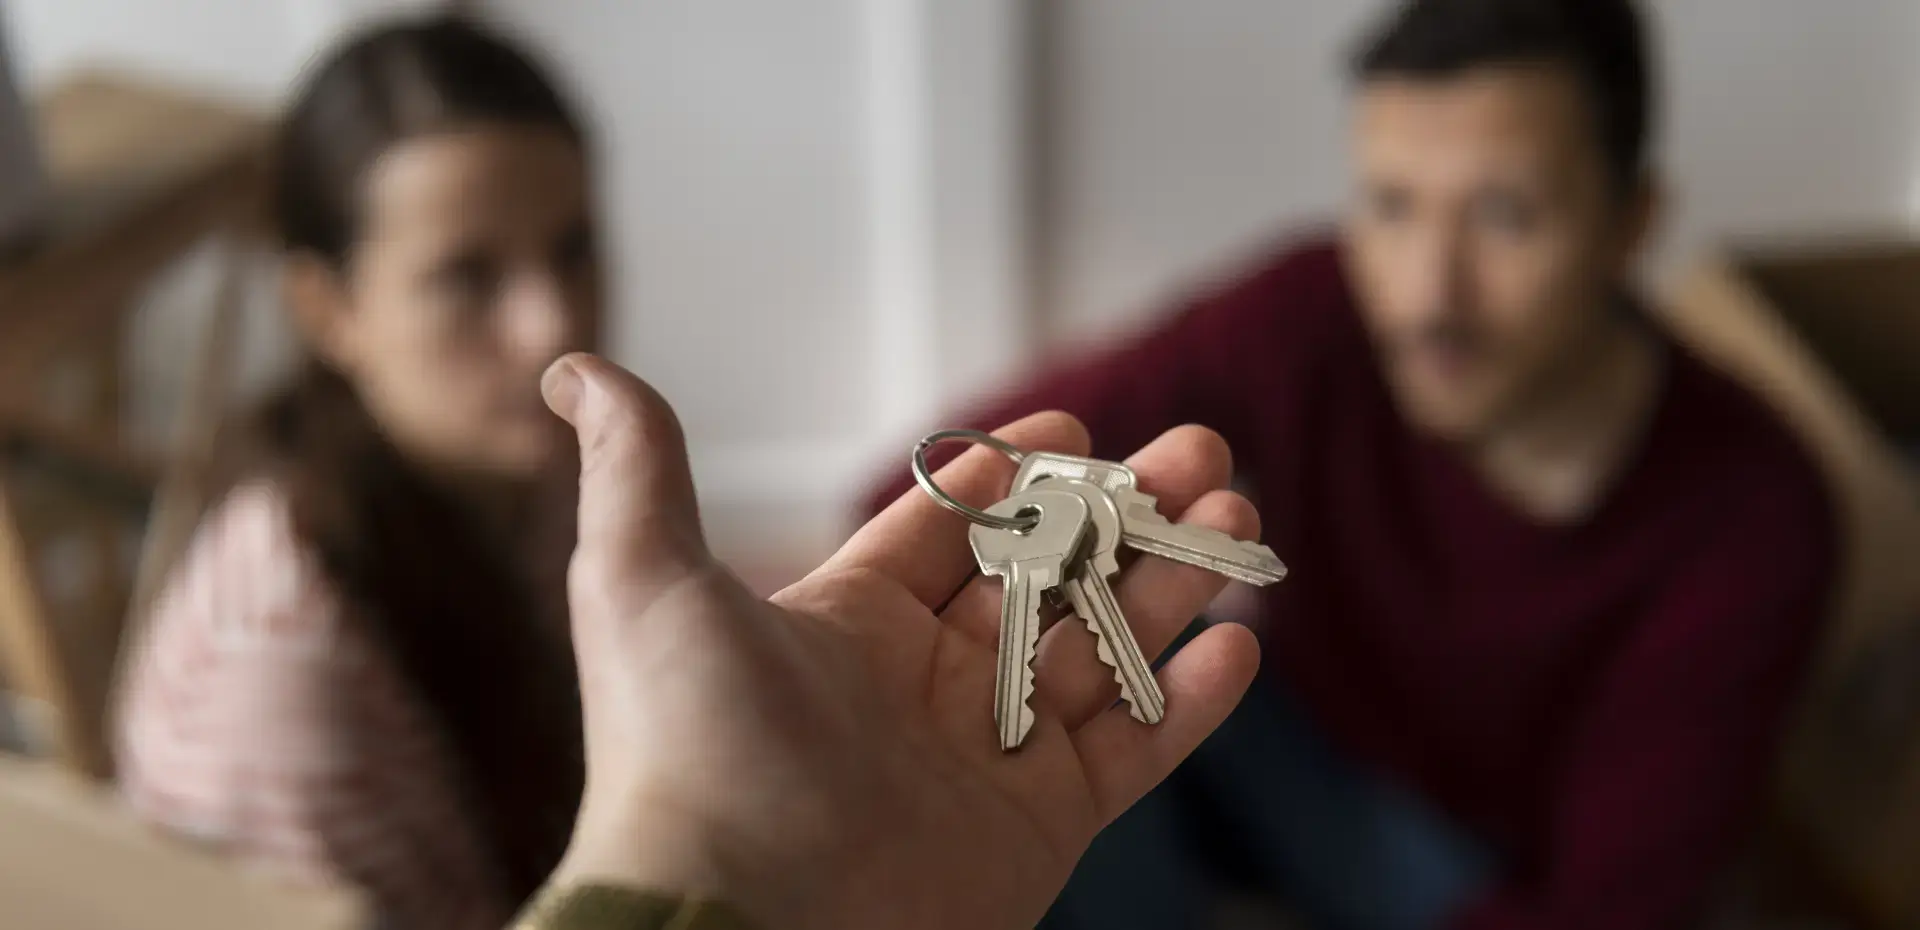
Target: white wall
{"points": [[250, 49], [1188, 131], [733, 140], [817, 215], [1177, 135], [1791, 117]]}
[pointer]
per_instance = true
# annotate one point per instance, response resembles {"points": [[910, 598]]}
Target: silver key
{"points": [[1143, 527], [1093, 599], [1038, 466], [1029, 563]]}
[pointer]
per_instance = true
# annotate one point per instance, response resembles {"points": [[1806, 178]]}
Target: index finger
{"points": [[921, 544]]}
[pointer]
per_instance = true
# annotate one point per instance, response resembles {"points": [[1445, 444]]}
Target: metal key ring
{"points": [[975, 514]]}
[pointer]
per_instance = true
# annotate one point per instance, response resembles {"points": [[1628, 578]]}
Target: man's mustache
{"points": [[1444, 335]]}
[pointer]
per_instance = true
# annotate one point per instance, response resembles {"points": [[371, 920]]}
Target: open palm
{"points": [[828, 758]]}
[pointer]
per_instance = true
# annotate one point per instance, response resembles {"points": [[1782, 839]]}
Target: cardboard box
{"points": [[1829, 333]]}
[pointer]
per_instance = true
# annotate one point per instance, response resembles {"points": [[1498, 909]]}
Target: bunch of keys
{"points": [[1060, 531]]}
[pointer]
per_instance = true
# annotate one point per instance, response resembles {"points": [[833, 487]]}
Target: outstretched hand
{"points": [[828, 757]]}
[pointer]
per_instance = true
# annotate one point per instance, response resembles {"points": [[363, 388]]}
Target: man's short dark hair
{"points": [[1602, 42]]}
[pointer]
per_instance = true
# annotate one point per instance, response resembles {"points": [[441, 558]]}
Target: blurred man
{"points": [[1553, 580]]}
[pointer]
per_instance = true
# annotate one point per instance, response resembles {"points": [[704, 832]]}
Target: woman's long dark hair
{"points": [[451, 608]]}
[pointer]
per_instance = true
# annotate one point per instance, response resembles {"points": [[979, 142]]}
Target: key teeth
{"points": [[1026, 672], [1105, 652], [1023, 717]]}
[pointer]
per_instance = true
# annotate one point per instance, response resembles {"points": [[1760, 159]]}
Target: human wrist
{"points": [[645, 846], [664, 850], [614, 907]]}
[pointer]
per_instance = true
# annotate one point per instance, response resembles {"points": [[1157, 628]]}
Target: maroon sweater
{"points": [[1598, 701]]}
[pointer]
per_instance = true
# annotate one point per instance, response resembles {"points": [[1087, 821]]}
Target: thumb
{"points": [[639, 520]]}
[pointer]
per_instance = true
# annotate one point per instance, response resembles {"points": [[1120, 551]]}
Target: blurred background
{"points": [[830, 220]]}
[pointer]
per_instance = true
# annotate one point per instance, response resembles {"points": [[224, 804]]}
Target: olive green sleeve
{"points": [[606, 907]]}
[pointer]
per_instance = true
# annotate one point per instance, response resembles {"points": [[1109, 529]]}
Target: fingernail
{"points": [[561, 386]]}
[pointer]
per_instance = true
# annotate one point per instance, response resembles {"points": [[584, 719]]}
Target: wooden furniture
{"points": [[141, 176], [1827, 332], [70, 857]]}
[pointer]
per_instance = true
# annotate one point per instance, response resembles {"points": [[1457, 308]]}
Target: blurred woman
{"points": [[360, 673]]}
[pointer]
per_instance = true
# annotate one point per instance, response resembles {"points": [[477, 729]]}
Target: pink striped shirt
{"points": [[256, 719]]}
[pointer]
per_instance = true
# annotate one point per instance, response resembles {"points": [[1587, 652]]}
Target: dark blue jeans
{"points": [[1266, 802]]}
